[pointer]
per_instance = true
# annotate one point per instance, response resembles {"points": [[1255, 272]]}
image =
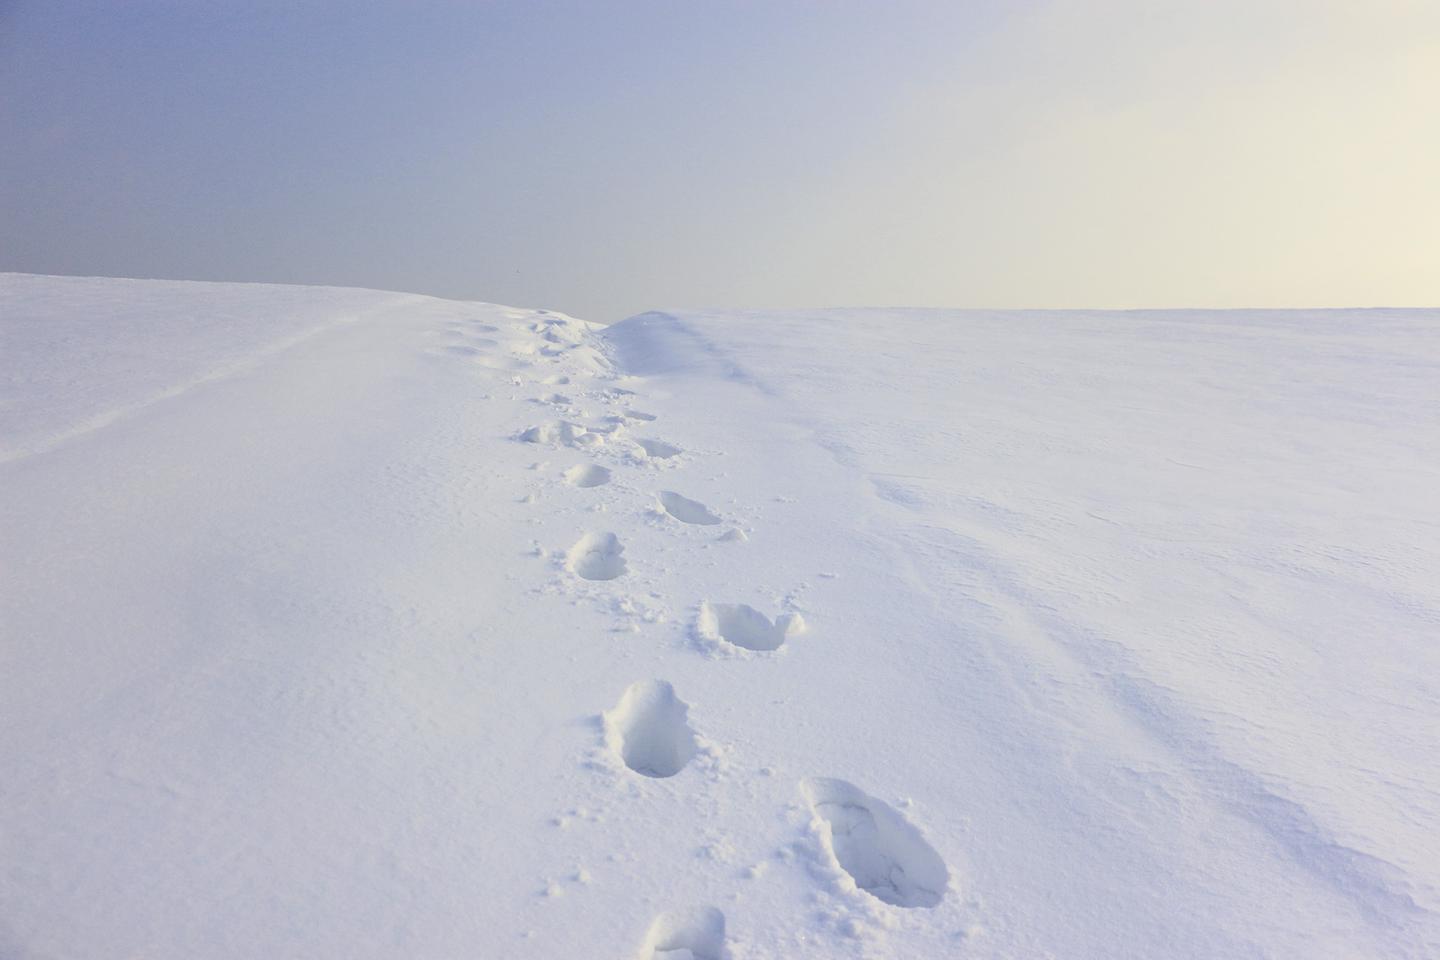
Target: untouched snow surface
{"points": [[346, 623]]}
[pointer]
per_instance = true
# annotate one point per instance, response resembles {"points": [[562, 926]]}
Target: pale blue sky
{"points": [[603, 159]]}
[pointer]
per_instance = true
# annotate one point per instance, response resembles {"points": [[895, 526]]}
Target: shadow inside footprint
{"points": [[880, 850], [686, 935], [686, 510], [744, 626], [658, 449], [649, 730], [597, 556]]}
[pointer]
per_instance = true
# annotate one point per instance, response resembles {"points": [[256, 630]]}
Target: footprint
{"points": [[555, 431], [744, 626], [686, 510], [875, 846], [659, 449], [596, 556], [648, 730], [587, 475], [638, 415], [686, 935]]}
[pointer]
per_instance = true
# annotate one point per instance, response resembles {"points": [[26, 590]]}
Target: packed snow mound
{"points": [[339, 618]]}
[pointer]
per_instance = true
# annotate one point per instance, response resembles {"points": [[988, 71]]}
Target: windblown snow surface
{"points": [[340, 623]]}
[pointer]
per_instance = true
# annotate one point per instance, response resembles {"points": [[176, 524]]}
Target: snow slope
{"points": [[345, 623]]}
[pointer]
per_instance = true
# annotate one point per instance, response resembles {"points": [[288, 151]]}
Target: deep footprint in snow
{"points": [[686, 935], [686, 510], [648, 729], [878, 848], [587, 475], [596, 556], [659, 449], [744, 626]]}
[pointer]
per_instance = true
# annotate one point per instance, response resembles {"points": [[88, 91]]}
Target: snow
{"points": [[350, 623]]}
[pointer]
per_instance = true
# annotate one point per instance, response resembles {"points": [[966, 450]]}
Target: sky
{"points": [[608, 158]]}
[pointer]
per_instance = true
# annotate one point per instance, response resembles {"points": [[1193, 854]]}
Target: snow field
{"points": [[346, 623]]}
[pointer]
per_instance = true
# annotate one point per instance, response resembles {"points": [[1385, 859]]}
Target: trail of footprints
{"points": [[864, 843]]}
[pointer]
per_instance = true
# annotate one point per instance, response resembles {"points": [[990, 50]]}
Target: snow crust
{"points": [[347, 623]]}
